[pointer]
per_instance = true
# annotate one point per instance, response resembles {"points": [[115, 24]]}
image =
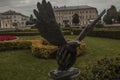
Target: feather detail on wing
{"points": [[47, 25], [89, 28]]}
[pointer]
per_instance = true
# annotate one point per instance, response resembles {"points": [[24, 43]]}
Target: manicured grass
{"points": [[98, 48], [21, 65]]}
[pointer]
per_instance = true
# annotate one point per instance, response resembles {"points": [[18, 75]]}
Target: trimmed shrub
{"points": [[42, 49], [20, 33], [67, 26], [99, 25], [33, 27], [81, 49], [74, 31], [20, 30], [104, 69], [66, 32], [11, 45], [106, 34], [97, 33]]}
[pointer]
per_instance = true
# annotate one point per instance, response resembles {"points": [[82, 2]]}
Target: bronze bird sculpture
{"points": [[50, 30]]}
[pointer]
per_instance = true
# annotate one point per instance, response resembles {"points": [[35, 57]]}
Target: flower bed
{"points": [[39, 47], [3, 38]]}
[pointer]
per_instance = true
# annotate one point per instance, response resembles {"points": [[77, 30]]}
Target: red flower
{"points": [[8, 37]]}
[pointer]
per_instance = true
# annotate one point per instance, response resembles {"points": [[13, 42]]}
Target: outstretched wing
{"points": [[90, 27], [47, 25]]}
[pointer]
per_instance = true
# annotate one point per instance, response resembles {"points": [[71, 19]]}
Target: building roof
{"points": [[11, 12], [64, 8]]}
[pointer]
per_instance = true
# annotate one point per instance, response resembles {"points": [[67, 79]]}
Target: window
{"points": [[89, 11], [69, 12], [22, 23], [14, 16], [79, 11], [83, 12], [90, 16], [6, 25], [86, 11], [83, 17], [72, 12], [59, 13], [70, 17], [80, 17]]}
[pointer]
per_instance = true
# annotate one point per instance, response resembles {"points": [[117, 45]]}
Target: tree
{"points": [[112, 11], [111, 15], [28, 22], [118, 17], [31, 21], [31, 17], [15, 25], [75, 19], [107, 19], [99, 25]]}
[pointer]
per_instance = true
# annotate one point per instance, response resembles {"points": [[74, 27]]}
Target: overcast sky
{"points": [[26, 6]]}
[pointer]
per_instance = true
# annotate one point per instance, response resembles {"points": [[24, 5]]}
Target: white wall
{"points": [[19, 19], [84, 15]]}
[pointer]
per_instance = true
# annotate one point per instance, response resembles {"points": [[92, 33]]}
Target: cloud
{"points": [[27, 6]]}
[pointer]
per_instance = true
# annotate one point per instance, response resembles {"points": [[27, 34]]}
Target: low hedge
{"points": [[42, 49], [39, 47], [101, 32], [104, 69], [107, 29], [20, 30], [106, 34], [97, 33], [20, 33], [11, 45], [65, 32], [75, 32]]}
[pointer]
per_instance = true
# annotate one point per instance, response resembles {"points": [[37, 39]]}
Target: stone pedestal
{"points": [[64, 75]]}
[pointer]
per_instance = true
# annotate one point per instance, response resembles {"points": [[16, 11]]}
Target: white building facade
{"points": [[5, 22], [86, 13], [18, 20]]}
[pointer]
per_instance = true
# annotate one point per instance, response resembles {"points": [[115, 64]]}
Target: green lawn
{"points": [[21, 65], [98, 48]]}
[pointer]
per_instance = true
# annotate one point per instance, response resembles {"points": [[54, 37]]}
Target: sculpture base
{"points": [[64, 75]]}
